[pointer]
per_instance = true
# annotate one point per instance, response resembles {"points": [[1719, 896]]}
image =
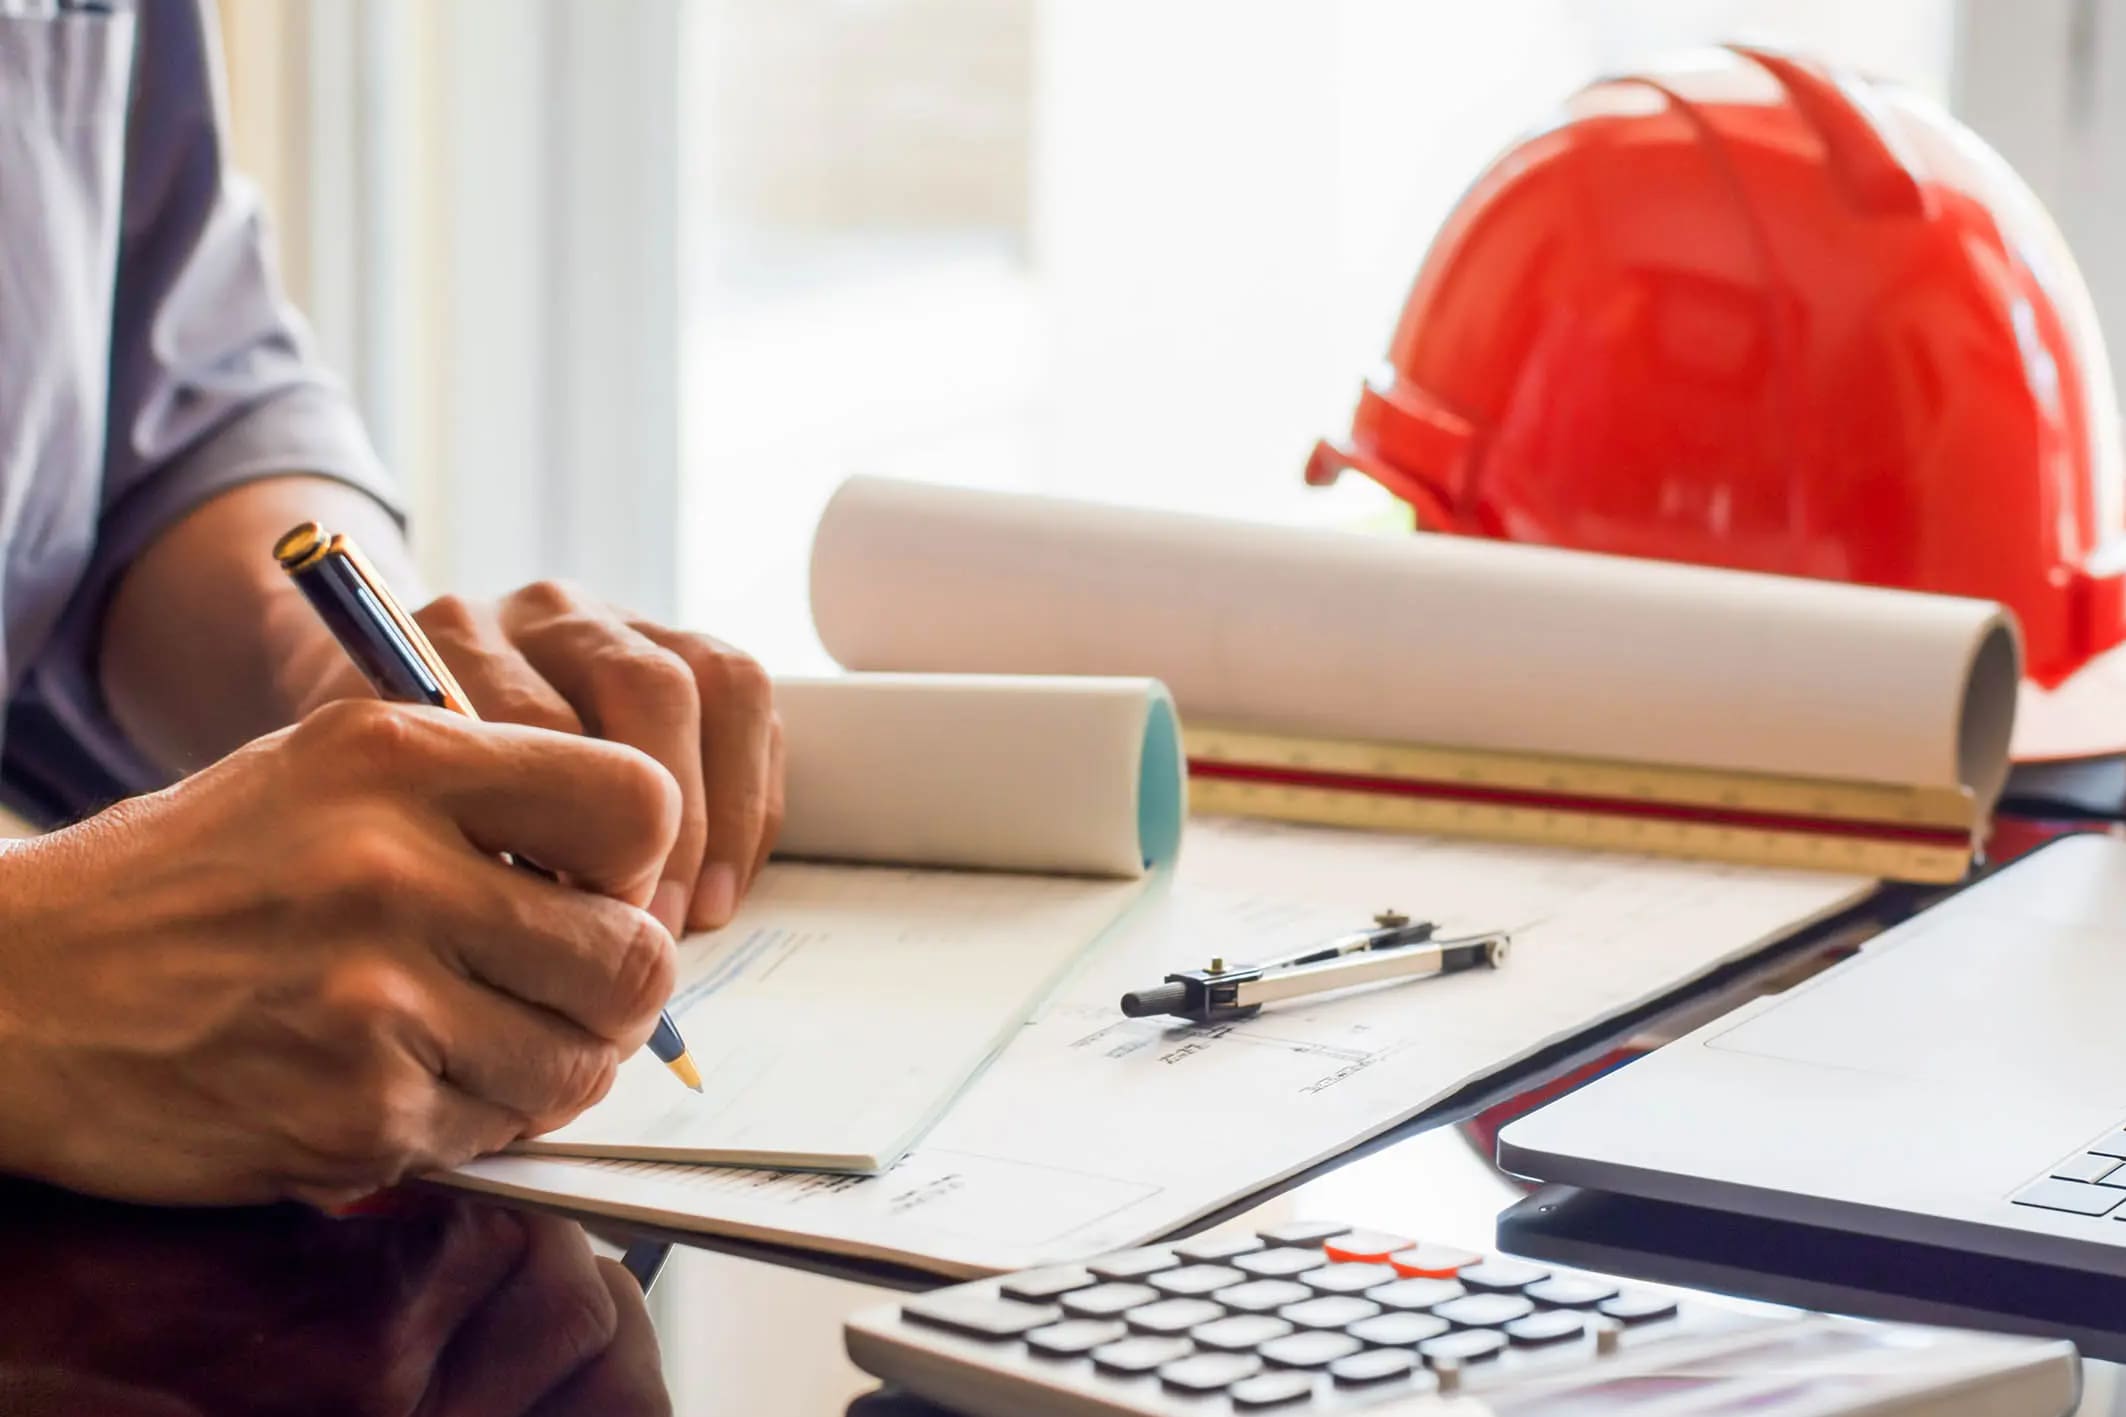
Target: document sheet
{"points": [[1439, 640], [1093, 1132], [847, 1004], [836, 1017]]}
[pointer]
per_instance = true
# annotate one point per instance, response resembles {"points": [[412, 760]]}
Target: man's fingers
{"points": [[518, 1056], [739, 772], [461, 1127], [628, 688], [553, 1316], [599, 811], [603, 966], [497, 678], [627, 1378], [380, 1136]]}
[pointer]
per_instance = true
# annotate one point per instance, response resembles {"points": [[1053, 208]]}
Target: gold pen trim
{"points": [[454, 696], [301, 547]]}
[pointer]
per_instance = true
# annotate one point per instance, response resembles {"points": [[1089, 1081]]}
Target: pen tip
{"points": [[683, 1068]]}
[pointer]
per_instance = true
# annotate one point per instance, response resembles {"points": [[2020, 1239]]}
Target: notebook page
{"points": [[1094, 1132], [1425, 639], [842, 1010]]}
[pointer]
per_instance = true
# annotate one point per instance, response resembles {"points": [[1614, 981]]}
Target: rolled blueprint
{"points": [[1425, 639], [1071, 776]]}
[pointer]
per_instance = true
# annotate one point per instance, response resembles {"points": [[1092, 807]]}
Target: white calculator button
{"points": [[1132, 1264], [1038, 1284], [1262, 1295], [1638, 1306], [1398, 1330], [1303, 1232], [1501, 1275], [1208, 1372], [1346, 1278], [1415, 1293], [1484, 1310], [1140, 1355], [1192, 1280], [977, 1317], [1104, 1301], [1329, 1311], [1309, 1350], [1271, 1389], [1571, 1291], [1549, 1326], [1172, 1316], [1242, 1332], [1280, 1263], [1375, 1365], [1212, 1248], [1074, 1336], [1464, 1346]]}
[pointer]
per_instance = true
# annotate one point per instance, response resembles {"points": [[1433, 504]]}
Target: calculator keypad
{"points": [[1301, 1311]]}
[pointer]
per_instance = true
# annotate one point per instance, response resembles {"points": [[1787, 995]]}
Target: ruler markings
{"points": [[1920, 834]]}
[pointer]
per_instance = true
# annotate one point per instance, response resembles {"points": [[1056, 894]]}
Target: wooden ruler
{"points": [[1901, 833]]}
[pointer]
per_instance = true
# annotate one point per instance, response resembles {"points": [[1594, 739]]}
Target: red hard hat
{"points": [[1749, 311]]}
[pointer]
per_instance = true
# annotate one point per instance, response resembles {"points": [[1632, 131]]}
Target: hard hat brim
{"points": [[2084, 717]]}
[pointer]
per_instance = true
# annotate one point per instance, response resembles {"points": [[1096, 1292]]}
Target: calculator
{"points": [[1319, 1317]]}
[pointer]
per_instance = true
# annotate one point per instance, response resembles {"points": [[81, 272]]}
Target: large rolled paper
{"points": [[1425, 639], [1078, 776]]}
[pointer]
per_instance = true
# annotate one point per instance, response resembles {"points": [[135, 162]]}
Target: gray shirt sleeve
{"points": [[212, 380]]}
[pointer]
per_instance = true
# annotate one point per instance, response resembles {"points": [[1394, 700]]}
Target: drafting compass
{"points": [[1394, 949]]}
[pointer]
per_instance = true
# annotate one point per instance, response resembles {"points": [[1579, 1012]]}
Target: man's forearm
{"points": [[206, 643]]}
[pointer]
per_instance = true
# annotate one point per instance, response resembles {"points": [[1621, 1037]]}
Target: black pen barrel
{"points": [[363, 628]]}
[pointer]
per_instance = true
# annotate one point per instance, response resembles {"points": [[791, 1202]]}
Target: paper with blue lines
{"points": [[847, 1005], [842, 1011]]}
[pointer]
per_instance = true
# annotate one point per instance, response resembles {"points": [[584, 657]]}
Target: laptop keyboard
{"points": [[2090, 1181]]}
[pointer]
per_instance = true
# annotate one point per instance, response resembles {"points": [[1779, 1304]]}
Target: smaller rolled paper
{"points": [[1059, 774]]}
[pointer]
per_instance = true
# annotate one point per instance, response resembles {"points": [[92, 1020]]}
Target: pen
{"points": [[401, 665], [1396, 948]]}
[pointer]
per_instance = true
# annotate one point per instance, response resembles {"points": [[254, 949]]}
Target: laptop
{"points": [[1960, 1082]]}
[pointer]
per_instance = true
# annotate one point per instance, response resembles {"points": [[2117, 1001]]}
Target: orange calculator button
{"points": [[1432, 1261], [1365, 1246]]}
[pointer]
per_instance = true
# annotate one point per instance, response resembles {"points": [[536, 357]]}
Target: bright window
{"points": [[1136, 250]]}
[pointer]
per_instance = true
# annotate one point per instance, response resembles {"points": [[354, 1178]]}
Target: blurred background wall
{"points": [[628, 287]]}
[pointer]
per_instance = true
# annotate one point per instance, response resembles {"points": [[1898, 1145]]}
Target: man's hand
{"points": [[441, 1308], [207, 645], [304, 971], [554, 658]]}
